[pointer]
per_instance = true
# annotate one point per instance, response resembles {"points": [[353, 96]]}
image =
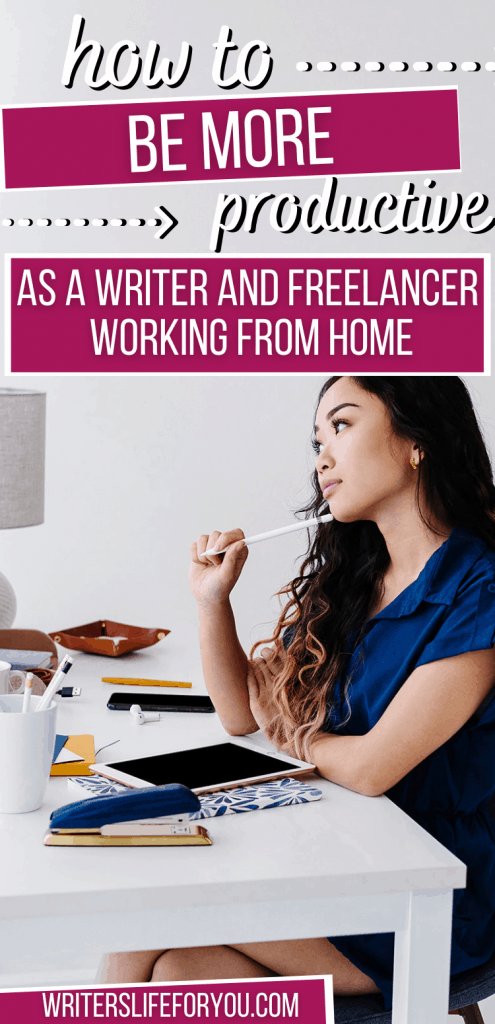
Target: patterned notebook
{"points": [[279, 793]]}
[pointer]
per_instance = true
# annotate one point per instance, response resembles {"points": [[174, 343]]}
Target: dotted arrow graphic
{"points": [[165, 223]]}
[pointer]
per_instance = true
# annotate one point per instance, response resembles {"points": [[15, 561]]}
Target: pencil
{"points": [[27, 692], [54, 683], [125, 681], [303, 524]]}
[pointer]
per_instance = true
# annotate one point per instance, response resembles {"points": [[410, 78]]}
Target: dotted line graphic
{"points": [[165, 224], [82, 222], [395, 65]]}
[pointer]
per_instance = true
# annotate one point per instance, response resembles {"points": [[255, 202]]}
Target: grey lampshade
{"points": [[22, 457]]}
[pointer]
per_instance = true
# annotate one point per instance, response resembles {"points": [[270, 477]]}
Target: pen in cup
{"points": [[302, 525], [28, 686], [54, 684]]}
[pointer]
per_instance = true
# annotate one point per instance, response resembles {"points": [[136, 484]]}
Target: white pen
{"points": [[28, 685], [54, 684], [302, 525]]}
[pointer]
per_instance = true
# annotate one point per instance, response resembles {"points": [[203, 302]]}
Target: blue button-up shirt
{"points": [[448, 610]]}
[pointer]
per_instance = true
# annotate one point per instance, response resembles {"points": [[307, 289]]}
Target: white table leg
{"points": [[422, 959]]}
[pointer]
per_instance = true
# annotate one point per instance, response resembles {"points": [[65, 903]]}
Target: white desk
{"points": [[346, 865]]}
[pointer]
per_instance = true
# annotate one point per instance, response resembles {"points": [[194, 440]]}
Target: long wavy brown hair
{"points": [[341, 576]]}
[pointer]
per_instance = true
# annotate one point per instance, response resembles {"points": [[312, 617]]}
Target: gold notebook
{"points": [[93, 837]]}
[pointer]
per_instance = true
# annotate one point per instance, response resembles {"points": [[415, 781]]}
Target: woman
{"points": [[382, 668]]}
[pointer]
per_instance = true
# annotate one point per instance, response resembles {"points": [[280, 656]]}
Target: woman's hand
{"points": [[212, 577], [261, 677]]}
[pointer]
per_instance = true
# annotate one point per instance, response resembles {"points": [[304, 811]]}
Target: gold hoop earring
{"points": [[413, 463]]}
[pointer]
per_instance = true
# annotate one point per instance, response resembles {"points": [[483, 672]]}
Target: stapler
{"points": [[155, 816]]}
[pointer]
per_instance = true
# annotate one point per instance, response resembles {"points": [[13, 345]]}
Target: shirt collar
{"points": [[439, 580]]}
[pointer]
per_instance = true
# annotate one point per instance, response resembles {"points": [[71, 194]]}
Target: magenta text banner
{"points": [[263, 314], [298, 999], [377, 132]]}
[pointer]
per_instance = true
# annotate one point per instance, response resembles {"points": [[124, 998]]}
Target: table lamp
{"points": [[22, 473]]}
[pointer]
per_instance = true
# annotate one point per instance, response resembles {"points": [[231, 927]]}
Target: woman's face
{"points": [[363, 468]]}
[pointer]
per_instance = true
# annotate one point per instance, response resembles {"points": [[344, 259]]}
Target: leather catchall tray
{"points": [[109, 638]]}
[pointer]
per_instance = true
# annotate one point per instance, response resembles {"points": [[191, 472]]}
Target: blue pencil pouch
{"points": [[135, 804]]}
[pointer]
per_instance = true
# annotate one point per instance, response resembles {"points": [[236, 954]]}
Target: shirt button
{"points": [[491, 588]]}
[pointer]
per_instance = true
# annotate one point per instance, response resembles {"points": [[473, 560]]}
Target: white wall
{"points": [[138, 467]]}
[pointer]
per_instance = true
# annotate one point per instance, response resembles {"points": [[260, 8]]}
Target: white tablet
{"points": [[236, 762]]}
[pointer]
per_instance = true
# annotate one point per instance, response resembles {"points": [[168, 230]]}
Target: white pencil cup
{"points": [[27, 742]]}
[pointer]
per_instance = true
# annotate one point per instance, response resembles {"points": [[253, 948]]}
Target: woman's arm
{"points": [[225, 664], [434, 702]]}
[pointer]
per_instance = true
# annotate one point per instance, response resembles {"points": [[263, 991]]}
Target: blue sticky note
{"points": [[60, 742]]}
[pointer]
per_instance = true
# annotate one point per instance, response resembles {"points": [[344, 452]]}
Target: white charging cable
{"points": [[141, 717]]}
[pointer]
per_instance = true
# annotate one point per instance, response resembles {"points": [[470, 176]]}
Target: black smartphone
{"points": [[160, 702]]}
